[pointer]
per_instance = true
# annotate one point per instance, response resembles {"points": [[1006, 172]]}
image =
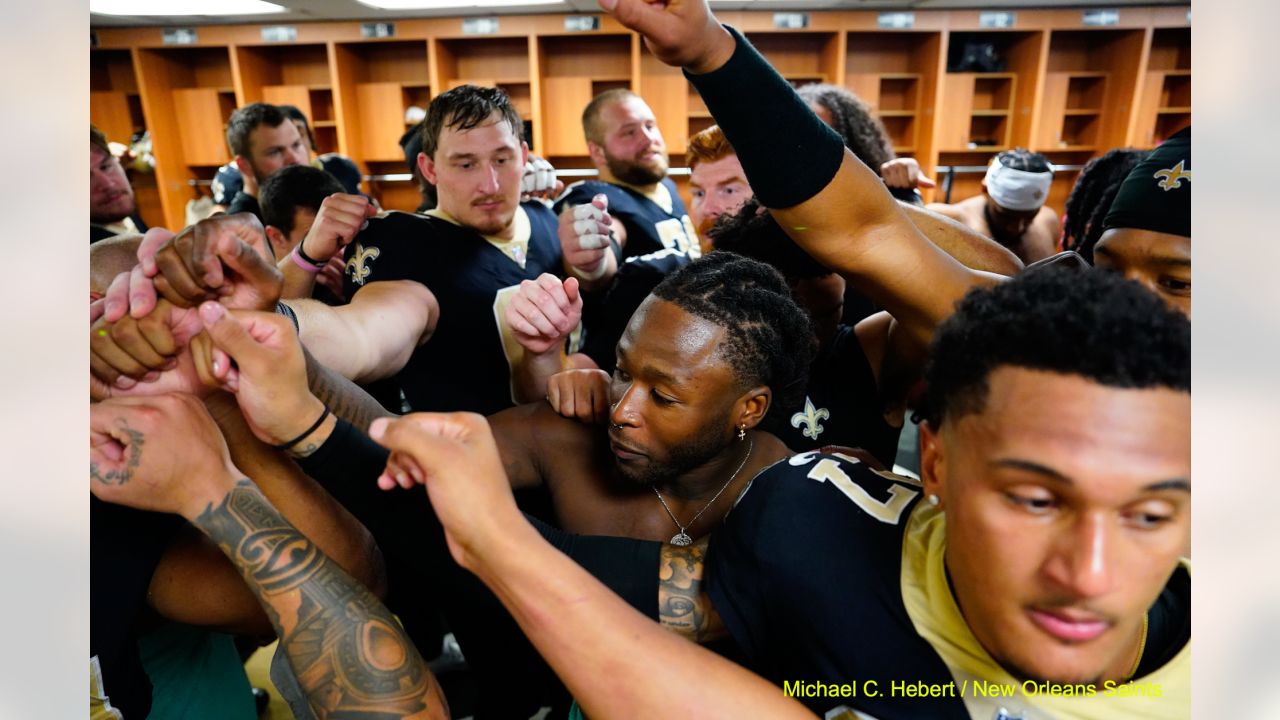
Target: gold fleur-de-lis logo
{"points": [[1171, 178], [358, 264], [810, 419]]}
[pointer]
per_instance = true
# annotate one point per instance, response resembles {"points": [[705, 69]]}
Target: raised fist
{"points": [[584, 236], [543, 312]]}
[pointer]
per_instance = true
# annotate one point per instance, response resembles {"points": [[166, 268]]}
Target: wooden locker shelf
{"points": [[1066, 89]]}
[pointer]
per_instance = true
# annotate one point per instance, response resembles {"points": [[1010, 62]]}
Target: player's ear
{"points": [[596, 152], [933, 470], [242, 164], [427, 167], [752, 407], [277, 239], [524, 153]]}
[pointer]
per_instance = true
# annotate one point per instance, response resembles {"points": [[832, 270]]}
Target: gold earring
{"points": [[742, 432]]}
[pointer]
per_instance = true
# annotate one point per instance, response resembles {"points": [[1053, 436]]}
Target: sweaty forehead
{"points": [[488, 137], [708, 173], [1083, 429], [627, 110], [664, 337]]}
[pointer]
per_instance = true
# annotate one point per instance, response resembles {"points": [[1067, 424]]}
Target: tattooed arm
{"points": [[346, 399], [683, 607], [348, 652], [164, 454]]}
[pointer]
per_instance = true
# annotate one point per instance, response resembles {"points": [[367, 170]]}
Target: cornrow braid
{"points": [[1091, 198], [770, 340]]}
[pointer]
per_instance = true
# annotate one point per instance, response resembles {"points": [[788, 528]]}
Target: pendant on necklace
{"points": [[681, 539]]}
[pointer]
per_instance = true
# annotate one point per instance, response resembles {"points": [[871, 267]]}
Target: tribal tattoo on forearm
{"points": [[124, 474], [682, 606], [348, 652]]}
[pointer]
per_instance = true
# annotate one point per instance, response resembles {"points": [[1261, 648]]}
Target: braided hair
{"points": [[863, 133], [769, 338], [1091, 198]]}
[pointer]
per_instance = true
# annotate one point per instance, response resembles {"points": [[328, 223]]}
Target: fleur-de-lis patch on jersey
{"points": [[358, 264], [1171, 178], [810, 419]]}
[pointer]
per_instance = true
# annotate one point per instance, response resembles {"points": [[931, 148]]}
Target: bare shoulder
{"points": [[546, 444], [955, 211]]}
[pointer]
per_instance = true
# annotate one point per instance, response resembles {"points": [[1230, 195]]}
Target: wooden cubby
{"points": [[1088, 71], [1164, 104], [297, 75], [896, 74], [115, 104], [800, 57], [1069, 90], [188, 94], [376, 83], [572, 69], [981, 114], [676, 105], [979, 110]]}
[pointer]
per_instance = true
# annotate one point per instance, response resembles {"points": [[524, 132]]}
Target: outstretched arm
{"points": [[347, 650], [614, 661], [165, 454], [831, 204], [374, 335], [968, 246]]}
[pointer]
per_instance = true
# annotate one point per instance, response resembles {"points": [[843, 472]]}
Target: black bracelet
{"points": [[307, 258], [314, 426], [285, 310]]}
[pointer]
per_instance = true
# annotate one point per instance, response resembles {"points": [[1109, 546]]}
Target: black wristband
{"points": [[789, 155], [314, 426], [285, 310], [307, 258]]}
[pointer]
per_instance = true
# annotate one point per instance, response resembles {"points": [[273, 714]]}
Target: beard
{"points": [[634, 173], [117, 211], [697, 451]]}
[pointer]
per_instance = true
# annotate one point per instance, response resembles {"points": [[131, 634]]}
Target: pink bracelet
{"points": [[297, 260]]}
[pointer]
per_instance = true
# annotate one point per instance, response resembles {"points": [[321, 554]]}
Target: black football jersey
{"points": [[467, 363], [841, 405], [653, 223], [830, 578]]}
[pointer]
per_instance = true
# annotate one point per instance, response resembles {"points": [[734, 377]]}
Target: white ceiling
{"points": [[304, 10]]}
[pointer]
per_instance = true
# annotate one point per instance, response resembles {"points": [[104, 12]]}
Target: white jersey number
{"points": [[886, 511]]}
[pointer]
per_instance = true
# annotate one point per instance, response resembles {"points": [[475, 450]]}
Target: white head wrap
{"points": [[1017, 189]]}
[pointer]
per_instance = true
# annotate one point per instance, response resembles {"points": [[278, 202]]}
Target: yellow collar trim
{"points": [[937, 618], [517, 248]]}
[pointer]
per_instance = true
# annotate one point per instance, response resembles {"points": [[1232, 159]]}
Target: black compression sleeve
{"points": [[626, 566], [347, 464], [789, 154]]}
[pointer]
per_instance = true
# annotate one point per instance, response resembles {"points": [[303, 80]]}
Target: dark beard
{"points": [[633, 173], [680, 459]]}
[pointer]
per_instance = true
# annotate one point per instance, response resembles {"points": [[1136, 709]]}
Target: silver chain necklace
{"points": [[682, 538]]}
